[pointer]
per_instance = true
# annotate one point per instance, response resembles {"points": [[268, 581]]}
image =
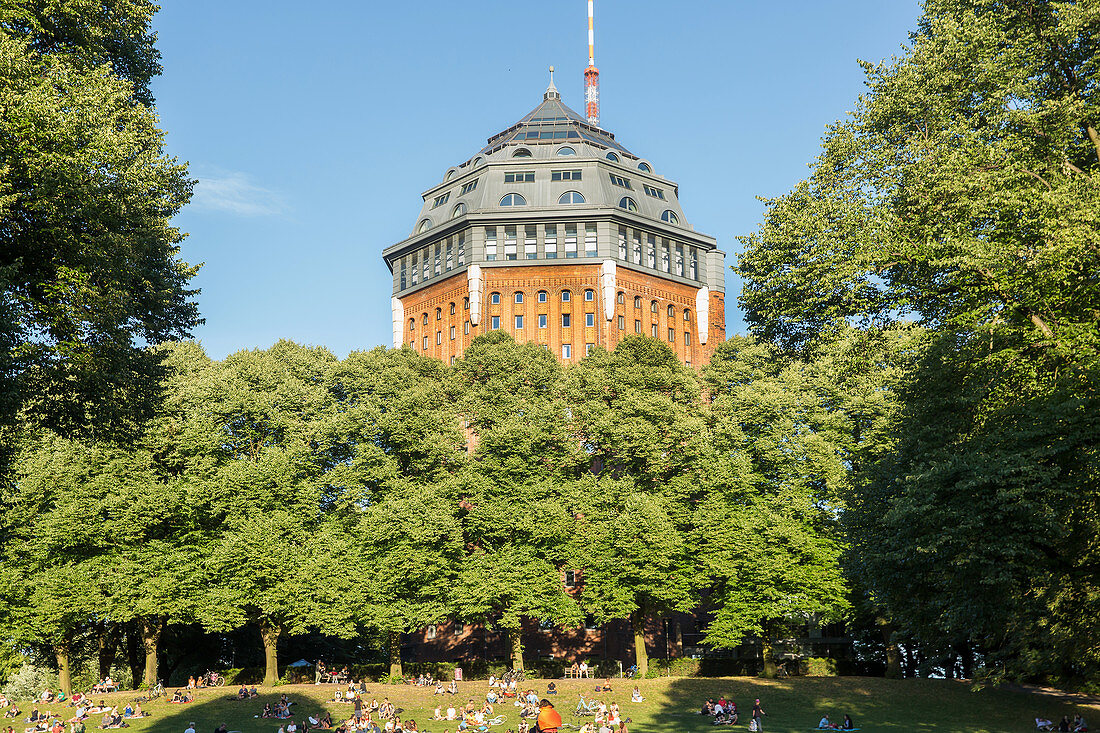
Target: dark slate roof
{"points": [[552, 123]]}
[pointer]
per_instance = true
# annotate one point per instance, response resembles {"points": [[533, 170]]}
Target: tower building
{"points": [[559, 235]]}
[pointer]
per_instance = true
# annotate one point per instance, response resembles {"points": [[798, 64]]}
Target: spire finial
{"points": [[551, 91]]}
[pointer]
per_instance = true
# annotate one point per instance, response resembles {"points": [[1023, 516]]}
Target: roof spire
{"points": [[551, 91], [592, 77]]}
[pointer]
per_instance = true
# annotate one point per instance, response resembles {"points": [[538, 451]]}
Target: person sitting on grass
{"points": [[13, 712], [128, 711], [266, 712], [636, 695], [1079, 724], [242, 694], [452, 714], [552, 689], [410, 726], [453, 689], [438, 714], [325, 721], [439, 688], [549, 719], [491, 696], [847, 723], [824, 723]]}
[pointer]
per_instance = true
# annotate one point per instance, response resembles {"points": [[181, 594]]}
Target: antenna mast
{"points": [[591, 78]]}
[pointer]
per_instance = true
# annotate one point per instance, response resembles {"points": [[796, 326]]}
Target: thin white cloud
{"points": [[235, 193]]}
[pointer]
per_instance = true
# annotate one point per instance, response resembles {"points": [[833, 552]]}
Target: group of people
{"points": [[724, 712], [1078, 725], [183, 697], [51, 722], [451, 689], [247, 693], [280, 710], [826, 724]]}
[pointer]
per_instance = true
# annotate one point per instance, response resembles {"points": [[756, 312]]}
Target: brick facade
{"points": [[437, 318]]}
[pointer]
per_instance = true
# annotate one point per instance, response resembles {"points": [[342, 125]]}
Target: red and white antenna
{"points": [[592, 78]]}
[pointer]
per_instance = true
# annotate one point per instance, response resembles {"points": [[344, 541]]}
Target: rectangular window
{"points": [[438, 258], [530, 242], [466, 328], [680, 260], [619, 181], [462, 249], [469, 187], [542, 296], [672, 335], [438, 338], [452, 333], [550, 244], [510, 243], [570, 241], [664, 255], [566, 351], [687, 338], [590, 319], [426, 264], [622, 323], [450, 254], [693, 272], [565, 175], [636, 246], [518, 297], [415, 270], [490, 243], [565, 296], [650, 251], [654, 192], [440, 200], [654, 330], [519, 177], [519, 322], [622, 243], [588, 348], [424, 342], [404, 278], [495, 323], [570, 579], [637, 326], [589, 295], [565, 320], [542, 320]]}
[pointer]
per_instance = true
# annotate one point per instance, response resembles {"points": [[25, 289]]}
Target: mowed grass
{"points": [[671, 705]]}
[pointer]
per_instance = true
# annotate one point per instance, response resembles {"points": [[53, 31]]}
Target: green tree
{"points": [[89, 261], [962, 193]]}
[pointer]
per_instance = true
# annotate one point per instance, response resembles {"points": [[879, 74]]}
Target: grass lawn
{"points": [[671, 704]]}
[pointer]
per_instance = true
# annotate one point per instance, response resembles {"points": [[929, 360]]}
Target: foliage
{"points": [[28, 682]]}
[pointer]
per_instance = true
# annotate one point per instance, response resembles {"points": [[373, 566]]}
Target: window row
{"points": [[658, 253], [564, 240], [435, 259], [439, 315], [543, 296], [542, 319]]}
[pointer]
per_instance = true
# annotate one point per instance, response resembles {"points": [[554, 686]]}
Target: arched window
{"points": [[424, 226], [687, 314], [628, 203], [571, 197], [589, 295], [643, 166], [452, 309], [542, 296], [613, 157], [670, 216], [439, 314], [565, 296], [465, 304], [424, 319], [522, 153], [513, 199], [519, 296], [621, 298], [459, 210], [412, 324], [637, 301], [450, 174], [566, 150], [494, 298], [477, 161], [671, 311], [653, 306]]}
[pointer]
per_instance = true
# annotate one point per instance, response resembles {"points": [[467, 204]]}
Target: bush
{"points": [[819, 667], [684, 667], [29, 681]]}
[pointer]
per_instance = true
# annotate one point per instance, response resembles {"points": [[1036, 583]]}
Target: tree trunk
{"points": [[394, 646], [134, 655], [966, 655], [515, 647], [270, 633], [150, 637], [64, 675], [108, 645], [641, 656], [771, 669], [893, 656]]}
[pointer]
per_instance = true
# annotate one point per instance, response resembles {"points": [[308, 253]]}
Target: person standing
{"points": [[758, 715]]}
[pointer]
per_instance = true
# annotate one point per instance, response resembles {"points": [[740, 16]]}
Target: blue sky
{"points": [[313, 128]]}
